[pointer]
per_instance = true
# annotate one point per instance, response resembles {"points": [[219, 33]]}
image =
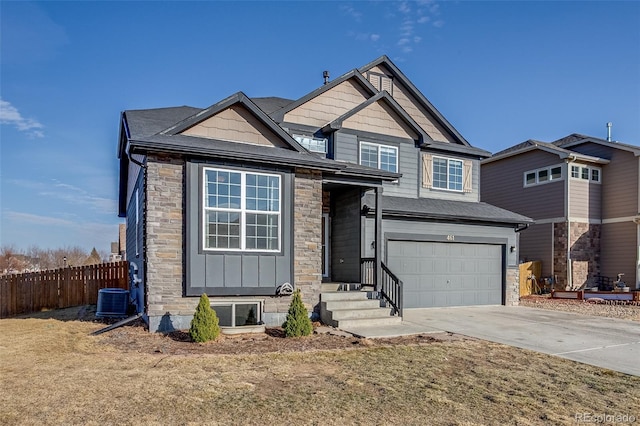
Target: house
{"points": [[583, 193], [360, 181]]}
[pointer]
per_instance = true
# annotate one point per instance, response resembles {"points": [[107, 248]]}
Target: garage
{"points": [[438, 274]]}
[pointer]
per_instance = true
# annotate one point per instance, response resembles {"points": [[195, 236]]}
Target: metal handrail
{"points": [[390, 288]]}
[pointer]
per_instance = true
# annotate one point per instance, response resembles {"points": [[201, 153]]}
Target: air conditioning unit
{"points": [[112, 303]]}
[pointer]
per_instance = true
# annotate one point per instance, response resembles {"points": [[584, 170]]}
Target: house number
{"points": [[451, 237]]}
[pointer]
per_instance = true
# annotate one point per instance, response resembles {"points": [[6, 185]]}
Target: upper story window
{"points": [[450, 174], [382, 157], [591, 174], [241, 210], [542, 175], [447, 173], [312, 144]]}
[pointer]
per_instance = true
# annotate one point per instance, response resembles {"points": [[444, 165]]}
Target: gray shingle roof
{"points": [[150, 121], [446, 209], [271, 104]]}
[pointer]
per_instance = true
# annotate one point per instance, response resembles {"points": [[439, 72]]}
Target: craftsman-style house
{"points": [[361, 181]]}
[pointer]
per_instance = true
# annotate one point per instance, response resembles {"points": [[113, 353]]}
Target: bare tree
{"points": [[12, 261]]}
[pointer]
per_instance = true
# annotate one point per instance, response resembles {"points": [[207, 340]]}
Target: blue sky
{"points": [[500, 72]]}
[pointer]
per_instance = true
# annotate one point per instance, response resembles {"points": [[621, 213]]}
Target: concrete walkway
{"points": [[603, 342]]}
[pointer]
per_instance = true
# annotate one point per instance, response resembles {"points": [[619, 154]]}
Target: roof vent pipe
{"points": [[325, 75], [609, 124]]}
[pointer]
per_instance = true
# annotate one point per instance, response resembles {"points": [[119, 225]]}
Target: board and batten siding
{"points": [[585, 199], [329, 105], [345, 235], [617, 254], [503, 186], [471, 179], [536, 243], [220, 273]]}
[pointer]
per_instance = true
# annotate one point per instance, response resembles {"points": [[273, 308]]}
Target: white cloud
{"points": [[34, 219], [423, 19], [11, 116], [403, 41], [404, 7], [351, 11], [375, 37], [70, 194], [439, 23], [28, 229]]}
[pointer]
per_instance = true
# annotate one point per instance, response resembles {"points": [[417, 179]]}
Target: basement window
{"points": [[238, 313]]}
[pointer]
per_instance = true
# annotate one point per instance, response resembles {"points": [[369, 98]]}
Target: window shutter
{"points": [[375, 80], [386, 84], [427, 171], [467, 176]]}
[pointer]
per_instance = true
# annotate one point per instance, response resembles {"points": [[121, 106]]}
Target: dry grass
{"points": [[53, 372]]}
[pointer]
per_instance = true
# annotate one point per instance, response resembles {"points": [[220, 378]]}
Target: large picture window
{"points": [[382, 157], [447, 173], [241, 210]]}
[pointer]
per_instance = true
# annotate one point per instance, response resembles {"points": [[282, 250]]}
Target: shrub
{"points": [[297, 323], [204, 325]]}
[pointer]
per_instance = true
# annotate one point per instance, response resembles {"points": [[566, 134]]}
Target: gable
{"points": [[382, 119], [236, 124], [402, 95], [328, 105]]}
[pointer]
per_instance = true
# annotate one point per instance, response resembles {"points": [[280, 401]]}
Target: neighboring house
{"points": [[583, 193], [249, 198]]}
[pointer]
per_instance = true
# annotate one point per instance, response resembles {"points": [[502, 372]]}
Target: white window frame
{"points": [[242, 211], [537, 171], [378, 146], [589, 169], [309, 142], [449, 182], [233, 303]]}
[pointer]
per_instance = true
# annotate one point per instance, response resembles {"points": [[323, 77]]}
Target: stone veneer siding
{"points": [[512, 295], [167, 308], [584, 240], [307, 246], [165, 244]]}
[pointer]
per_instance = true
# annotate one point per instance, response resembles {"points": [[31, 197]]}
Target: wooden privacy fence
{"points": [[59, 288]]}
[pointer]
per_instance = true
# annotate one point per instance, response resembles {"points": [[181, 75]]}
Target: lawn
{"points": [[54, 372]]}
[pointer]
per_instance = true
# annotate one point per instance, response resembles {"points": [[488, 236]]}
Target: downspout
{"points": [[143, 248]]}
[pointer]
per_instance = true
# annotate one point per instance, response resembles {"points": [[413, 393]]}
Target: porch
{"points": [[356, 290]]}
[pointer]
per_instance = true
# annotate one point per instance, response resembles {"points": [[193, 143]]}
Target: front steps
{"points": [[352, 308]]}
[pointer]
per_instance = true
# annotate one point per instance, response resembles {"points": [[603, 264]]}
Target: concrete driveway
{"points": [[603, 342]]}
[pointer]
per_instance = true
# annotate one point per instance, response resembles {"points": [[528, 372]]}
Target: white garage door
{"points": [[447, 274]]}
